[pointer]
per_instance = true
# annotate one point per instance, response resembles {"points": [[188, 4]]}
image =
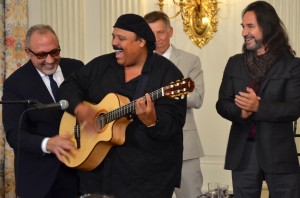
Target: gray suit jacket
{"points": [[190, 66]]}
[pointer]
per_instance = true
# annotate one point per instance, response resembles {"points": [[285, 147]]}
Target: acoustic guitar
{"points": [[112, 115]]}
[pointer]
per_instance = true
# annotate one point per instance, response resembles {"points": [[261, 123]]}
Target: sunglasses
{"points": [[43, 55]]}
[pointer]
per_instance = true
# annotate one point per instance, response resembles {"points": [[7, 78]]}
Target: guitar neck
{"points": [[127, 109], [176, 90]]}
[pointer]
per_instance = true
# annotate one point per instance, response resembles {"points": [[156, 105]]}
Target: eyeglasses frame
{"points": [[43, 55]]}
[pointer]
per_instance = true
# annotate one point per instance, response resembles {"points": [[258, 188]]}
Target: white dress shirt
{"points": [[59, 78]]}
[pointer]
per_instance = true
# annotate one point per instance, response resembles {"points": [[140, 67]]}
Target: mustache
{"points": [[248, 37], [117, 48]]}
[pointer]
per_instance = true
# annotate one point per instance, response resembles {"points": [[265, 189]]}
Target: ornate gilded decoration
{"points": [[199, 19], [160, 4]]}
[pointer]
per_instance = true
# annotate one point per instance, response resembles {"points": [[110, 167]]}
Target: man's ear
{"points": [[142, 42], [171, 32], [27, 52]]}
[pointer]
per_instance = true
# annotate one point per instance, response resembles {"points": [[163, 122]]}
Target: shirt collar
{"points": [[167, 53], [58, 69]]}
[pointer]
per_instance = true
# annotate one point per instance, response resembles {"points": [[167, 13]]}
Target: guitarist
{"points": [[149, 163]]}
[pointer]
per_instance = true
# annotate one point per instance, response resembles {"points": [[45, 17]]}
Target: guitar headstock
{"points": [[179, 89]]}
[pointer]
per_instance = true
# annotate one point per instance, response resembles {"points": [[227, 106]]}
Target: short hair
{"points": [[154, 16], [275, 37], [41, 29]]}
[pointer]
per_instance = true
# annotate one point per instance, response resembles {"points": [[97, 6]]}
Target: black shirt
{"points": [[149, 163]]}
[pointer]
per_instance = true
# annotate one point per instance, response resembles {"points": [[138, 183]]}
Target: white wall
{"points": [[84, 28]]}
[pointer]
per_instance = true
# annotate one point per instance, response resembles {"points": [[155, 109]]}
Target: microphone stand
{"points": [[26, 102], [19, 102]]}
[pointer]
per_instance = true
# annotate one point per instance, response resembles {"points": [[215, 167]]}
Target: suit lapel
{"points": [[38, 86], [244, 73], [175, 56]]}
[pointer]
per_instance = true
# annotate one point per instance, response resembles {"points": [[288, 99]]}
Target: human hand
{"points": [[247, 101], [86, 117], [60, 146], [145, 110], [245, 114]]}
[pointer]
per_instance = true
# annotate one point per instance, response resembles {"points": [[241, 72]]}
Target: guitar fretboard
{"points": [[175, 90], [103, 119]]}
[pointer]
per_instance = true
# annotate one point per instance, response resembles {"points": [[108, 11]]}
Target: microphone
{"points": [[63, 105], [19, 102]]}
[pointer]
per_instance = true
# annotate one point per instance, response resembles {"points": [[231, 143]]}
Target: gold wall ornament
{"points": [[161, 4], [199, 19]]}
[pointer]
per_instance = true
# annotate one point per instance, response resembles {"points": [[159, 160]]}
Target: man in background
{"points": [[190, 66], [38, 148], [260, 95]]}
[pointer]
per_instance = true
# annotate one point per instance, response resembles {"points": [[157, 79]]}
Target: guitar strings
{"points": [[104, 119]]}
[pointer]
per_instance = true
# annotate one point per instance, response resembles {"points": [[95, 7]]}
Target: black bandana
{"points": [[138, 25]]}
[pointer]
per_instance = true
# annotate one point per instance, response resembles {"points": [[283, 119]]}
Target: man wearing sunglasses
{"points": [[34, 136]]}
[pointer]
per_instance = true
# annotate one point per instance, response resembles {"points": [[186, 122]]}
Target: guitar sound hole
{"points": [[101, 122]]}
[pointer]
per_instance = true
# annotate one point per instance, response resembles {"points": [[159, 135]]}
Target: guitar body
{"points": [[110, 125], [94, 145]]}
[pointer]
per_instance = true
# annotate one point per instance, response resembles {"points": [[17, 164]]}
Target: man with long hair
{"points": [[260, 95]]}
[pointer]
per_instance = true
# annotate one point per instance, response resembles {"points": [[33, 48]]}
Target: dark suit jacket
{"points": [[35, 171], [278, 108]]}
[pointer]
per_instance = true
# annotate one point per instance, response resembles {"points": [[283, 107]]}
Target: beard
{"points": [[256, 46]]}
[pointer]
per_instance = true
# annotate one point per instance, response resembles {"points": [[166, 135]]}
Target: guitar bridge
{"points": [[77, 133]]}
